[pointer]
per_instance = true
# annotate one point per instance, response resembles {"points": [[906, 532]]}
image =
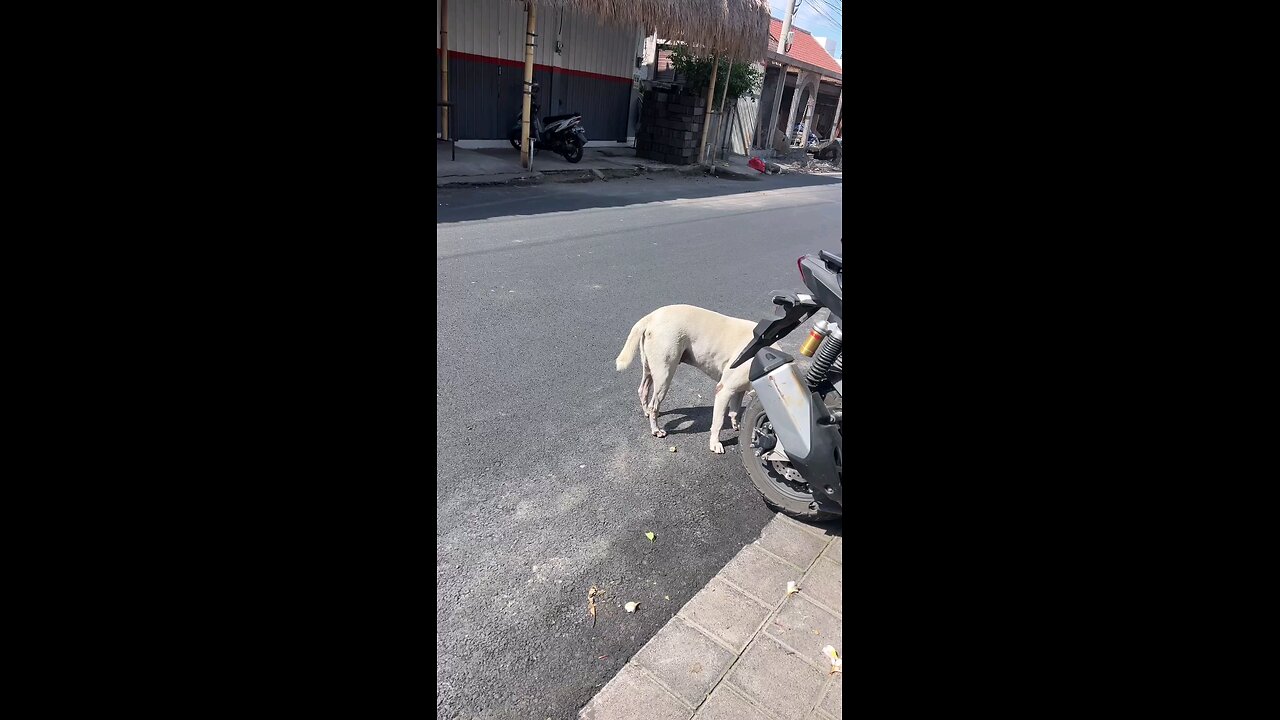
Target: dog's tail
{"points": [[633, 342]]}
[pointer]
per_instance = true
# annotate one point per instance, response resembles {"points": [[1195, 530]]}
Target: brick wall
{"points": [[670, 127]]}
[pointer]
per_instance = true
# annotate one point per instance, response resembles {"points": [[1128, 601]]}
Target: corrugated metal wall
{"points": [[488, 35], [746, 123]]}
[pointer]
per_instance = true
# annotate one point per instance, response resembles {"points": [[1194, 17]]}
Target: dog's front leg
{"points": [[717, 417]]}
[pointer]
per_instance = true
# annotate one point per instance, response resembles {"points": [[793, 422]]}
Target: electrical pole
{"points": [[782, 74]]}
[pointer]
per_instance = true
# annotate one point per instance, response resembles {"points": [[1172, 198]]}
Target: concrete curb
{"points": [[583, 176], [731, 174], [533, 178]]}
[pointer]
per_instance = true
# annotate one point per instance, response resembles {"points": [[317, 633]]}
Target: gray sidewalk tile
{"points": [[833, 702], [725, 612], [791, 543], [688, 662], [824, 582], [630, 695], [807, 629], [806, 527], [725, 704], [760, 574], [777, 679], [836, 550]]}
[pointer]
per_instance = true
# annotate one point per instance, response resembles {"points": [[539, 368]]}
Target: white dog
{"points": [[707, 340]]}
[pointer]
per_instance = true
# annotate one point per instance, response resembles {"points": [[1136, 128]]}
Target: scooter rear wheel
{"points": [[781, 485]]}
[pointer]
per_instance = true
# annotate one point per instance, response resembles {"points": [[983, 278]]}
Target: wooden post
{"points": [[529, 35], [444, 68], [835, 122], [720, 125], [706, 117]]}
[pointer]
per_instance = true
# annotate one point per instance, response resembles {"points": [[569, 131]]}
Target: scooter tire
{"points": [[777, 493], [573, 154]]}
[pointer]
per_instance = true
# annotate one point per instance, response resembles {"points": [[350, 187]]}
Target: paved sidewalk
{"points": [[742, 649], [502, 165]]}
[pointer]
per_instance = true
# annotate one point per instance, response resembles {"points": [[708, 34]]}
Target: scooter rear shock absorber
{"points": [[810, 344], [828, 353]]}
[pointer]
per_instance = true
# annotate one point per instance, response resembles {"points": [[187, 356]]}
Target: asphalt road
{"points": [[547, 477]]}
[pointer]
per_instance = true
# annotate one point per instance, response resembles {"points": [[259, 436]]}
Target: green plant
{"points": [[744, 80]]}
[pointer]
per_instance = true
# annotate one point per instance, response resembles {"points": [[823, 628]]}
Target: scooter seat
{"points": [[554, 118]]}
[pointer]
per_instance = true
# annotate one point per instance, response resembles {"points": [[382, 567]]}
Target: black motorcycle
{"points": [[797, 424], [563, 134]]}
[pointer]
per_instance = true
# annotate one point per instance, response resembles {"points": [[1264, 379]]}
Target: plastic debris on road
{"points": [[836, 662]]}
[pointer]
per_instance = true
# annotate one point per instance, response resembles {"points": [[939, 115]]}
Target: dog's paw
{"points": [[736, 424], [659, 433], [717, 448]]}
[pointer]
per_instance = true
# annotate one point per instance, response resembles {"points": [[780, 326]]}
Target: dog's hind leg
{"points": [[646, 381], [660, 381], [735, 409], [646, 386]]}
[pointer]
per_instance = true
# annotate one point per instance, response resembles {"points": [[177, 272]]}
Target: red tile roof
{"points": [[803, 47]]}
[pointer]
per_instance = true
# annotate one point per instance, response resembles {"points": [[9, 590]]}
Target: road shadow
{"points": [[698, 419], [834, 528], [458, 204], [672, 420]]}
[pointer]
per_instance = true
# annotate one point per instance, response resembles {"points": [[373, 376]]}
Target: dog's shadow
{"points": [[681, 421]]}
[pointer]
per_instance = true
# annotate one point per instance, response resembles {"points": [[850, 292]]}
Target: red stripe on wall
{"points": [[516, 63]]}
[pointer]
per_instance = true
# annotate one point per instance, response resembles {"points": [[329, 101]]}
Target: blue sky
{"points": [[810, 17]]}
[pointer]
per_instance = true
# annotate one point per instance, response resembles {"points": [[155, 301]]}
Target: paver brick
{"points": [[791, 543], [836, 550], [825, 582], [807, 628], [725, 704], [760, 574], [689, 662], [833, 702], [777, 679], [630, 695], [725, 612]]}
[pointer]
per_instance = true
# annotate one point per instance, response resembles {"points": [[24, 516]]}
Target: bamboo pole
{"points": [[706, 117], [444, 68], [529, 35]]}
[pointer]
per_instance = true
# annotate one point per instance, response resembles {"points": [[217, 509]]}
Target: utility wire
{"points": [[835, 8], [827, 17]]}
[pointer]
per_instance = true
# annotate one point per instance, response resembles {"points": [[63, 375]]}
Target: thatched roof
{"points": [[735, 28]]}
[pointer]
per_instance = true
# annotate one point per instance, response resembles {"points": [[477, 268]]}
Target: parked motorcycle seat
{"points": [[832, 258], [554, 118]]}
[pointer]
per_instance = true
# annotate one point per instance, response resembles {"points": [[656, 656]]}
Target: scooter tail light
{"points": [[800, 265]]}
